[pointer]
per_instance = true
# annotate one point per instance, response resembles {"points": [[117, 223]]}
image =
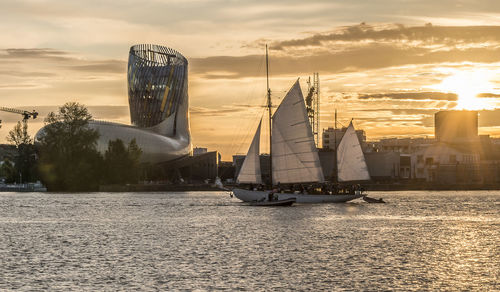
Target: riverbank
{"points": [[429, 187], [158, 188]]}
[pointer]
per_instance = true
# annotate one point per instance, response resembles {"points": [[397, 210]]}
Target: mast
{"points": [[336, 172], [269, 104]]}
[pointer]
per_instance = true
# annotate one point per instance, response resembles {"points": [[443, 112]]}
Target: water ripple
{"points": [[208, 241]]}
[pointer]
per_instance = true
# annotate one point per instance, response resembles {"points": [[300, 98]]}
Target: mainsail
{"points": [[250, 170], [295, 157], [351, 164]]}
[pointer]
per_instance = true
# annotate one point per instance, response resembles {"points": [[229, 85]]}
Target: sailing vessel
{"points": [[294, 156]]}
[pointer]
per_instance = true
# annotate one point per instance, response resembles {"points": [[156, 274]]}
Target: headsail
{"points": [[295, 157], [351, 162], [250, 169]]}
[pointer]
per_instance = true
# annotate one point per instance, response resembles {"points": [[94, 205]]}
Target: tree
{"points": [[69, 160], [134, 153], [8, 171], [122, 164], [25, 162], [19, 135]]}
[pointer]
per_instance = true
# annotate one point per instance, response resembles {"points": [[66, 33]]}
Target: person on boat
{"points": [[352, 190]]}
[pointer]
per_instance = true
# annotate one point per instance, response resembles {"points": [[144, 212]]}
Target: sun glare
{"points": [[467, 85]]}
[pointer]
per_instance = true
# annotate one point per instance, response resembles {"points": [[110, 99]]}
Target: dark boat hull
{"points": [[372, 200], [286, 202], [253, 196]]}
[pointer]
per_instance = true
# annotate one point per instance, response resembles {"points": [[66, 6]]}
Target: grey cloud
{"points": [[412, 95], [33, 53], [372, 56], [228, 109], [488, 95], [51, 57], [19, 86], [108, 66], [26, 73], [201, 111], [428, 33], [403, 111], [487, 118], [399, 121]]}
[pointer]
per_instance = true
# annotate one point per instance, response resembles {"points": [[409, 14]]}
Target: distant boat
{"points": [[24, 187], [373, 200], [294, 156]]}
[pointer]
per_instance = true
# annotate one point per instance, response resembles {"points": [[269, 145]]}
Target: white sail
{"points": [[295, 157], [250, 169], [351, 164]]}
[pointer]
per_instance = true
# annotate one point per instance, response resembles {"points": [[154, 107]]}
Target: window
{"points": [[468, 158], [429, 161], [420, 158], [453, 158]]}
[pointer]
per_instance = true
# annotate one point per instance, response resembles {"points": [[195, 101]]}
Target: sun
{"points": [[467, 85]]}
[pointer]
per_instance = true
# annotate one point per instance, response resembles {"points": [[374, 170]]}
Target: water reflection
{"points": [[417, 241]]}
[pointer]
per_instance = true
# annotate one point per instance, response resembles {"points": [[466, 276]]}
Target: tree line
{"points": [[65, 156]]}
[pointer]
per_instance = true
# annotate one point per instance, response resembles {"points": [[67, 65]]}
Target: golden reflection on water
{"points": [[441, 241]]}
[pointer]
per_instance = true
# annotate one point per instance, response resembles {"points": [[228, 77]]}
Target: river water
{"points": [[209, 241]]}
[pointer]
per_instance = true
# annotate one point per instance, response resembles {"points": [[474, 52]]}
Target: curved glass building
{"points": [[159, 106], [157, 81]]}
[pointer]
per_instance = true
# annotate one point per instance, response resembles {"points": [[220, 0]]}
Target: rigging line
{"points": [[241, 132]]}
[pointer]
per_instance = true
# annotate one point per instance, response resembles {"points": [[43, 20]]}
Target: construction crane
{"points": [[312, 105], [26, 114]]}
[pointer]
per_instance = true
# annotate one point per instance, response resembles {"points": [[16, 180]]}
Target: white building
{"points": [[444, 162]]}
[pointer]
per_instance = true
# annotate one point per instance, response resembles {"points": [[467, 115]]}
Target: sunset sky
{"points": [[390, 65]]}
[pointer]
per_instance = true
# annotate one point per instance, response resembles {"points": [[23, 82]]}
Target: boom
{"points": [[26, 114]]}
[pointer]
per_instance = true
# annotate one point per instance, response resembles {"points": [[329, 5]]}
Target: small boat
{"points": [[373, 200], [273, 203]]}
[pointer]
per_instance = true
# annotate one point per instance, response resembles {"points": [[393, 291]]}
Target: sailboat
{"points": [[294, 156]]}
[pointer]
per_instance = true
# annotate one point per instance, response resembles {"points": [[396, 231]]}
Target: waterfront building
{"points": [[157, 79], [199, 150], [332, 137], [383, 166], [402, 145], [193, 169], [446, 164]]}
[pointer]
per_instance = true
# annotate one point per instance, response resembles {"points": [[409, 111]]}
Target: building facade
{"points": [[332, 137], [157, 79]]}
